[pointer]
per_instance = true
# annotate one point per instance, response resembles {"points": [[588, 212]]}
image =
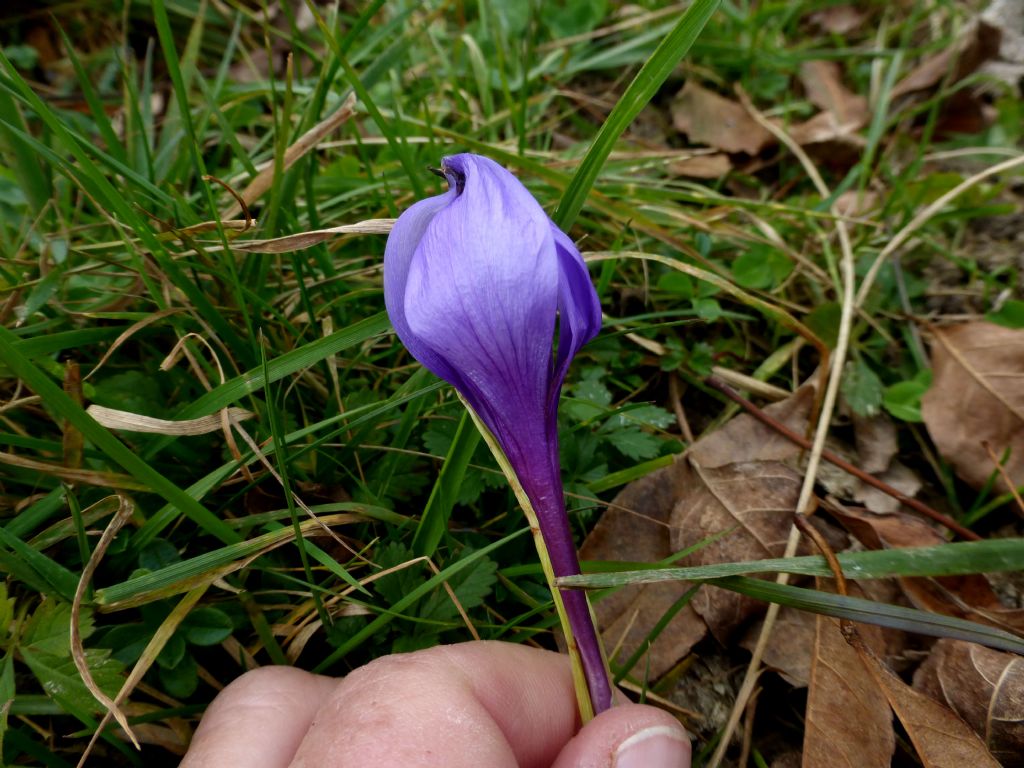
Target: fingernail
{"points": [[660, 747]]}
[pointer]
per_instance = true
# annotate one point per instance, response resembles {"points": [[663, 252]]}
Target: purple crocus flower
{"points": [[475, 281]]}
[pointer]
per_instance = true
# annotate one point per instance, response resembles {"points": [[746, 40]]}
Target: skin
{"points": [[469, 705]]}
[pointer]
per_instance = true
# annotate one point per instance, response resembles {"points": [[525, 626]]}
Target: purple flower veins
{"points": [[475, 280]]}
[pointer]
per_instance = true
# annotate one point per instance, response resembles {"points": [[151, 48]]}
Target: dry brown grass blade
{"points": [[127, 334], [303, 145], [84, 476], [302, 240], [127, 421], [121, 516], [148, 657]]}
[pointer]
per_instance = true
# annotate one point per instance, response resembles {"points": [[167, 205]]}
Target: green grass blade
{"points": [[285, 365], [104, 440], [438, 510], [646, 83], [423, 589], [870, 612], [955, 559]]}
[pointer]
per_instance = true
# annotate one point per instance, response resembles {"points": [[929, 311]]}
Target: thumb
{"points": [[628, 736]]}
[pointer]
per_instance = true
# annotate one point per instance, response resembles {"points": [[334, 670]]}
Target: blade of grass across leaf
{"points": [[870, 612], [646, 83], [990, 556]]}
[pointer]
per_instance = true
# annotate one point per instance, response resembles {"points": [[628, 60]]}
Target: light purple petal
{"points": [[481, 294], [579, 308], [398, 254]]}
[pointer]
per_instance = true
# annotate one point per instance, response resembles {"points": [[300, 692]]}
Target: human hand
{"points": [[472, 705]]}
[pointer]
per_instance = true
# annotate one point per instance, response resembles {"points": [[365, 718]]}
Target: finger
{"points": [[259, 720], [628, 736], [461, 706]]}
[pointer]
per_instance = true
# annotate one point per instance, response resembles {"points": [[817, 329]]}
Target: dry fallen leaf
{"points": [[941, 739], [985, 688], [745, 438], [751, 503], [709, 166], [713, 120], [635, 528], [839, 19], [789, 647], [978, 44], [848, 720], [823, 83], [977, 397]]}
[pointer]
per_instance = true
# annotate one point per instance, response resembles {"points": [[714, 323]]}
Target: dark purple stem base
{"points": [[549, 504]]}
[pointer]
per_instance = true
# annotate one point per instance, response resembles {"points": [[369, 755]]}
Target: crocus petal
{"points": [[398, 254], [579, 309], [465, 298]]}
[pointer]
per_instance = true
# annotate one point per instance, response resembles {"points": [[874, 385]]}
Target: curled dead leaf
{"points": [[940, 738], [984, 687]]}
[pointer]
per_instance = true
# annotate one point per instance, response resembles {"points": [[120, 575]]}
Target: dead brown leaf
{"points": [[745, 438], [710, 119], [941, 739], [823, 83], [789, 647], [839, 19], [752, 503], [985, 688], [635, 528], [969, 596], [976, 397], [710, 166], [978, 44], [848, 720]]}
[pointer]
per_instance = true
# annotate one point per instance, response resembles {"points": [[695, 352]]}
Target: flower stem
{"points": [[589, 665]]}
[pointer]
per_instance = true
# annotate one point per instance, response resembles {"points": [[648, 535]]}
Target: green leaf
{"points": [[172, 653], [903, 399], [823, 321], [103, 439], [574, 17], [6, 616], [158, 554], [635, 444], [861, 388], [410, 598], [182, 680], [48, 630], [707, 309], [207, 626], [434, 522], [61, 681], [470, 586], [761, 267], [677, 282], [1010, 314]]}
